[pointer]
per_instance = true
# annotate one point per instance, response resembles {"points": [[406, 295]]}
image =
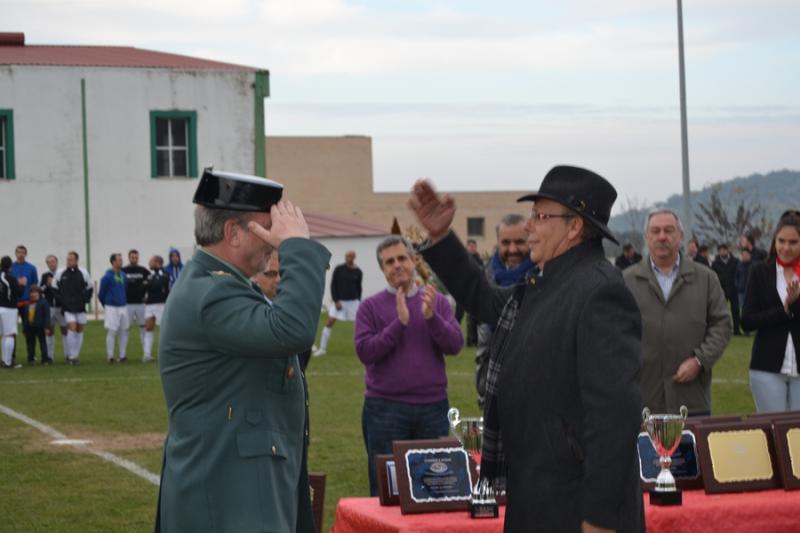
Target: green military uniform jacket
{"points": [[235, 454]]}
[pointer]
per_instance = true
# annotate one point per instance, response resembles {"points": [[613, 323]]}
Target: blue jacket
{"points": [[41, 319], [28, 271], [113, 286]]}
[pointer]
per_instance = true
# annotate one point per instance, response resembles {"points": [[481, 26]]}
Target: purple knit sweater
{"points": [[406, 363]]}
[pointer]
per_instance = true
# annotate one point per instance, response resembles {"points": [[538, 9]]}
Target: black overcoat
{"points": [[569, 398]]}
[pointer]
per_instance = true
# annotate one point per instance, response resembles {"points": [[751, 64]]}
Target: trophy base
{"points": [[672, 497], [483, 510]]}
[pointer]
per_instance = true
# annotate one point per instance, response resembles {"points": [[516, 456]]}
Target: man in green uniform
{"points": [[235, 454]]}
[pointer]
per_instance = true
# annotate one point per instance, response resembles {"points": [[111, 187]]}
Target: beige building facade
{"points": [[333, 175]]}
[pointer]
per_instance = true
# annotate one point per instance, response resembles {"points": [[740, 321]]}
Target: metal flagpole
{"points": [[688, 221]]}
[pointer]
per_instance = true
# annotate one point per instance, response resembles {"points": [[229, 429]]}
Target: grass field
{"points": [[120, 409]]}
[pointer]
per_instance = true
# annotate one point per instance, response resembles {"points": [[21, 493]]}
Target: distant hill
{"points": [[776, 191]]}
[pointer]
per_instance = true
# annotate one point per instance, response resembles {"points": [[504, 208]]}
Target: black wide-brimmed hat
{"points": [[582, 191], [239, 192]]}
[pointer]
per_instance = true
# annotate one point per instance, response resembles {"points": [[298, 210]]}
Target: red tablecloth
{"points": [[365, 515], [774, 511]]}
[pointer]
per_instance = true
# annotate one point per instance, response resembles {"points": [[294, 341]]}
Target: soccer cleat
{"points": [[318, 353]]}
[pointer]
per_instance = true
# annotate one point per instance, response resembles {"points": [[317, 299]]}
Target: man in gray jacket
{"points": [[686, 323]]}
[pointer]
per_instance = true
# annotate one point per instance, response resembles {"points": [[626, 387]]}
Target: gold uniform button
{"points": [[274, 450], [290, 372]]}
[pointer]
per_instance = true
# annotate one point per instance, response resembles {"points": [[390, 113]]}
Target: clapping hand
{"points": [[287, 222], [434, 212], [793, 292], [402, 308], [428, 299]]}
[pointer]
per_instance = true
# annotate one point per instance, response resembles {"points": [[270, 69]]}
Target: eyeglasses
{"points": [[270, 273], [540, 217]]}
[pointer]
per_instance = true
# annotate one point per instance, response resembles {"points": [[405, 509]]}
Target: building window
{"points": [[475, 227], [173, 143], [6, 144]]}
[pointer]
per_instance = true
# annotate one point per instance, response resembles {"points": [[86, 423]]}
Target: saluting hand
{"points": [[434, 212], [402, 308], [287, 222], [428, 299]]}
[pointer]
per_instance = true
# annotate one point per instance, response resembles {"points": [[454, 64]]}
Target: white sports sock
{"points": [[69, 344], [50, 340], [148, 344], [8, 349], [78, 344], [123, 343], [110, 338], [324, 338]]}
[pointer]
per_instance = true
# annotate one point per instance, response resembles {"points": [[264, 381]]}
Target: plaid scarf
{"points": [[493, 465]]}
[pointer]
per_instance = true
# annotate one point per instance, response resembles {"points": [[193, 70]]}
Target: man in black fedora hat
{"points": [[236, 449], [562, 407]]}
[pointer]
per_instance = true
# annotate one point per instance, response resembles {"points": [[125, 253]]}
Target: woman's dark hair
{"points": [[5, 263], [789, 218]]}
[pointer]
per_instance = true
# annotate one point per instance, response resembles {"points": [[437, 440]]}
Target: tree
{"points": [[634, 213], [724, 220]]}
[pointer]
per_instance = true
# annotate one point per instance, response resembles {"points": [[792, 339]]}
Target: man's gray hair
{"points": [[662, 211], [511, 219], [392, 241], [209, 224]]}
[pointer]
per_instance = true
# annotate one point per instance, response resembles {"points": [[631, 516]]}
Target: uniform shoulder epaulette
{"points": [[219, 273]]}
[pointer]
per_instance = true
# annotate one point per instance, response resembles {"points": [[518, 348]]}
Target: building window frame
{"points": [[190, 147], [7, 144], [476, 227]]}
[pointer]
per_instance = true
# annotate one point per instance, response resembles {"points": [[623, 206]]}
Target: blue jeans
{"points": [[383, 422], [773, 392]]}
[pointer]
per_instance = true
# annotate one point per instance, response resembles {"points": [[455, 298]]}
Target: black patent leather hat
{"points": [[582, 191], [239, 192]]}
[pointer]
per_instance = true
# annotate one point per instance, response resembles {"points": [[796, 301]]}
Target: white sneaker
{"points": [[146, 359], [318, 353]]}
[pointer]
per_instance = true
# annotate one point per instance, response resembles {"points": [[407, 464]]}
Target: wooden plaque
{"points": [[432, 475], [737, 456], [316, 481], [787, 447], [775, 417], [386, 471]]}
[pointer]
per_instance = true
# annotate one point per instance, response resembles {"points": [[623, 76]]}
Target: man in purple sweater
{"points": [[402, 334]]}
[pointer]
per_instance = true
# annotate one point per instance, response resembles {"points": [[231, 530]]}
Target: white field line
{"points": [[57, 435], [721, 381]]}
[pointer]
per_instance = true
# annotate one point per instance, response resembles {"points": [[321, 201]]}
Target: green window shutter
{"points": [[7, 146]]}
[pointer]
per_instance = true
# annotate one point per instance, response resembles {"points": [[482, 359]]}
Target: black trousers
{"points": [[734, 305], [31, 336]]}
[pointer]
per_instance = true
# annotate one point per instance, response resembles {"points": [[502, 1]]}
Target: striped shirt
{"points": [[666, 280]]}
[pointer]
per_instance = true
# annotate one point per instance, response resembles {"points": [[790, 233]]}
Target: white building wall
{"points": [[364, 247], [43, 207]]}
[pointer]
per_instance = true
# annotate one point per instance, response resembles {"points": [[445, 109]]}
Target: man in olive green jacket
{"points": [[686, 323], [235, 454]]}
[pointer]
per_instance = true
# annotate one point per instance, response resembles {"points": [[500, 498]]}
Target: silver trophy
{"points": [[469, 432], [665, 433]]}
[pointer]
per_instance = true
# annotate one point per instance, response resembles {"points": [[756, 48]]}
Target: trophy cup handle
{"points": [[454, 417], [645, 414], [684, 412]]}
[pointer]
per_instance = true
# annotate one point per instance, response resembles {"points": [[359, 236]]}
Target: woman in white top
{"points": [[772, 307]]}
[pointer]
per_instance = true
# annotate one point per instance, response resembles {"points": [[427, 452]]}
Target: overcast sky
{"points": [[489, 95]]}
